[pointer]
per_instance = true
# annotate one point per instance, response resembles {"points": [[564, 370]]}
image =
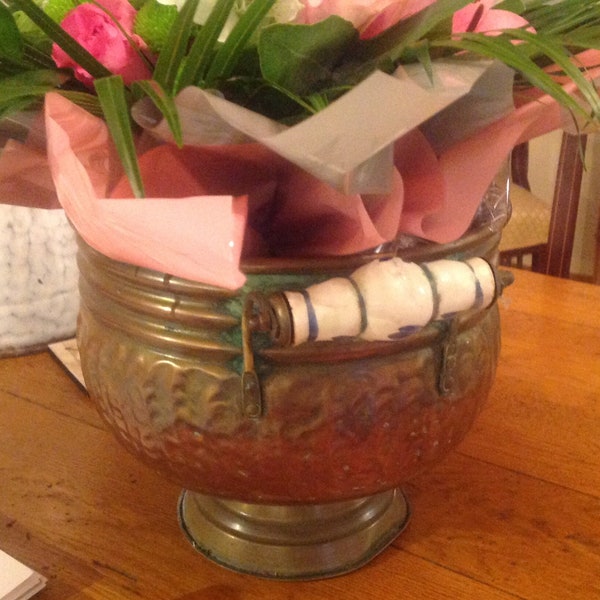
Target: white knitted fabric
{"points": [[39, 300]]}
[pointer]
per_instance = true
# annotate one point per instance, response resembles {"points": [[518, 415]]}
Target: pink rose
{"points": [[370, 17], [481, 16], [100, 36]]}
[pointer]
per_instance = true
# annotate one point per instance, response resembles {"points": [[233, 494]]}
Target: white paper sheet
{"points": [[18, 581]]}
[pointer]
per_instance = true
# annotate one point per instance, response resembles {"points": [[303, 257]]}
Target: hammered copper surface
{"points": [[162, 358]]}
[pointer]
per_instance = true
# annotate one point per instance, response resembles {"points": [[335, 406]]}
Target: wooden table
{"points": [[513, 513]]}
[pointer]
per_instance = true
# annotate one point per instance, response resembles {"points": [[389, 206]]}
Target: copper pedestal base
{"points": [[293, 542]]}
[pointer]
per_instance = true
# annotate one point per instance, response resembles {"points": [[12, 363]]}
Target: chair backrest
{"points": [[554, 256], [565, 205]]}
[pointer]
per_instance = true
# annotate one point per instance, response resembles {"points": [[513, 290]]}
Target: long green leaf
{"points": [[171, 57], [560, 17], [87, 101], [11, 43], [111, 94], [17, 106], [38, 58], [230, 52], [554, 50], [29, 83], [203, 48], [501, 48], [58, 35], [585, 37], [165, 105]]}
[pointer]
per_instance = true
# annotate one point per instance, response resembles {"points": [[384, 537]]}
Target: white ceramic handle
{"points": [[386, 299]]}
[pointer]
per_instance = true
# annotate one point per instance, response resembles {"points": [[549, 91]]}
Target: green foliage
{"points": [[55, 9], [203, 49], [58, 35], [302, 59], [11, 42], [153, 23], [115, 107], [29, 83], [23, 90], [285, 71], [173, 53], [229, 53], [165, 103]]}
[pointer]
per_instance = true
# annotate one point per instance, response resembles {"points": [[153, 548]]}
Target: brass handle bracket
{"points": [[258, 316]]}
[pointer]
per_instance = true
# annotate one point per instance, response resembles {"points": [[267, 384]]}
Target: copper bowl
{"points": [[340, 425]]}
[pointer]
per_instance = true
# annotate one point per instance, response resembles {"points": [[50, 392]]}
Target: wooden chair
{"points": [[540, 235]]}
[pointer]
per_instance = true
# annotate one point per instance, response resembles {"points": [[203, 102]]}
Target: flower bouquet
{"points": [[289, 239]]}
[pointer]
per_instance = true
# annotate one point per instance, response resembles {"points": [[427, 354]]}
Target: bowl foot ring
{"points": [[296, 541]]}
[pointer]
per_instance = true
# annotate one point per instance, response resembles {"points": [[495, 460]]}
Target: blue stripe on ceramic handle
{"points": [[313, 324], [389, 298]]}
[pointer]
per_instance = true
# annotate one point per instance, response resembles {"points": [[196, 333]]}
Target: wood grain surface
{"points": [[514, 513]]}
